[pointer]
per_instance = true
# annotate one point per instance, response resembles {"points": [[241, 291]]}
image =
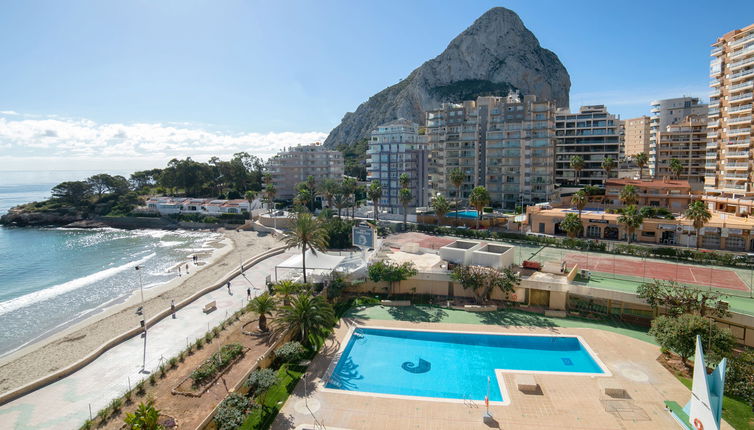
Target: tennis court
{"points": [[682, 273]]}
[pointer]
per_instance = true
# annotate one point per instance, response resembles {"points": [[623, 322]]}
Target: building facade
{"points": [[686, 142], [593, 134], [293, 165], [396, 148], [729, 175], [667, 112], [636, 136], [505, 144], [185, 205]]}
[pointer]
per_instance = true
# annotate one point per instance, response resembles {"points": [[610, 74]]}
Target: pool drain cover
{"points": [[567, 361]]}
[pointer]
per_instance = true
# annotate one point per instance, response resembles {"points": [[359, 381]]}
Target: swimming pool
{"points": [[462, 214], [451, 365]]}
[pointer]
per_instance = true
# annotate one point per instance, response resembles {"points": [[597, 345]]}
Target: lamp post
{"points": [[143, 322]]}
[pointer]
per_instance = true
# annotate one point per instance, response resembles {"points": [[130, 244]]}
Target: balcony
{"points": [[737, 166], [739, 120], [741, 52], [738, 64], [711, 145], [712, 83], [740, 97], [739, 87], [742, 108], [713, 112], [742, 74], [711, 124], [737, 144], [739, 154], [712, 134], [741, 187], [735, 176], [716, 51], [739, 131], [740, 41]]}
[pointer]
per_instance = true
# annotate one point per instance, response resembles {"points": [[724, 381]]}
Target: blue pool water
{"points": [[450, 365], [463, 214]]}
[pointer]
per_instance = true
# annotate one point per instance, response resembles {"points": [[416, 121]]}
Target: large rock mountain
{"points": [[495, 54]]}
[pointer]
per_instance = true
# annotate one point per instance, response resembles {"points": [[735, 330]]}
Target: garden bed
{"points": [[210, 372]]}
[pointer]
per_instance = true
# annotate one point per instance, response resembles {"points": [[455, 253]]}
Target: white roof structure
{"points": [[320, 264]]}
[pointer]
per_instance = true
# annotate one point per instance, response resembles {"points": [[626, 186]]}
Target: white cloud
{"points": [[8, 112], [52, 142]]}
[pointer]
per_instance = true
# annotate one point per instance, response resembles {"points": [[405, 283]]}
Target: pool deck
{"points": [[565, 401]]}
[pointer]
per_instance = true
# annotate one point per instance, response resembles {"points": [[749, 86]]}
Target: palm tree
{"points": [[479, 198], [456, 178], [676, 168], [572, 225], [349, 189], [269, 192], [441, 206], [250, 197], [608, 164], [286, 289], [405, 197], [579, 200], [328, 188], [404, 180], [641, 160], [306, 232], [699, 215], [340, 199], [628, 195], [632, 219], [374, 193], [577, 164], [307, 317], [262, 305], [303, 197]]}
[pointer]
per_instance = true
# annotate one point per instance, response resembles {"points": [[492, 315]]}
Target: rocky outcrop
{"points": [[21, 218], [496, 54]]}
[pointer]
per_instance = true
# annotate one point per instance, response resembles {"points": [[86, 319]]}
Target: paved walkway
{"points": [[65, 404]]}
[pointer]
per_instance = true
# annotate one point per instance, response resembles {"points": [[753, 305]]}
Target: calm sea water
{"points": [[52, 276]]}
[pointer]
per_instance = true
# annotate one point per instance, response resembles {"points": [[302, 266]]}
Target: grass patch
{"points": [[274, 398], [736, 412]]}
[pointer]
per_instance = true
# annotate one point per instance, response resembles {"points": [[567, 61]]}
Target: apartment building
{"points": [[728, 181], [667, 112], [293, 165], [636, 136], [505, 144], [396, 148], [593, 134], [686, 142]]}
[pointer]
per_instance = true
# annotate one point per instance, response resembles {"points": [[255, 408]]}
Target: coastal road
{"points": [[65, 404]]}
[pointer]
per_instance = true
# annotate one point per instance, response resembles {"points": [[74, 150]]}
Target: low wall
{"points": [[60, 374]]}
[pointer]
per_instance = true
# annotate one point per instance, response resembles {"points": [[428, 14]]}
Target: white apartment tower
{"points": [[293, 165], [505, 144], [667, 112], [396, 148]]}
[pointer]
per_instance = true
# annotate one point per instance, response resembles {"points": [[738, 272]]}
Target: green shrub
{"points": [[173, 362], [216, 363], [115, 405], [261, 380], [208, 337], [88, 424], [103, 414], [140, 388], [232, 412], [739, 377], [162, 370], [152, 379], [290, 352], [200, 343]]}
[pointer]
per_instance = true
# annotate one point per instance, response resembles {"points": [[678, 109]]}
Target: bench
{"points": [[613, 388], [526, 384], [531, 265], [209, 307], [395, 302]]}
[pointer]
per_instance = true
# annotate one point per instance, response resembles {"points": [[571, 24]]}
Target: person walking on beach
{"points": [[179, 270]]}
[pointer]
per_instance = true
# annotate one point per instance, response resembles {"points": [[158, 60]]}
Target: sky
{"points": [[129, 85]]}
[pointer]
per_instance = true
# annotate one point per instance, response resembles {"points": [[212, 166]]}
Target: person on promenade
{"points": [[179, 270], [248, 294], [229, 287], [172, 307], [187, 272]]}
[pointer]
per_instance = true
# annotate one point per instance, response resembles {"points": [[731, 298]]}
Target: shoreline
{"points": [[76, 339], [221, 247]]}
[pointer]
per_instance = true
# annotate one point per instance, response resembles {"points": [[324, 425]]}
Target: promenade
{"points": [[66, 403]]}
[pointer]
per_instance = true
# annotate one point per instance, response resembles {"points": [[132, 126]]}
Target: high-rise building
{"points": [[685, 142], [728, 182], [666, 112], [396, 148], [505, 144], [636, 136], [293, 165], [593, 134]]}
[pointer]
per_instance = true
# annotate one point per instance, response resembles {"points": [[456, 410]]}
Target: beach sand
{"points": [[81, 338]]}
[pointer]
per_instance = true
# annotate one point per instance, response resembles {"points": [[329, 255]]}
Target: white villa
{"points": [[176, 205]]}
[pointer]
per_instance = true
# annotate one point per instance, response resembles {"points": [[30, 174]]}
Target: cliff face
{"points": [[495, 54]]}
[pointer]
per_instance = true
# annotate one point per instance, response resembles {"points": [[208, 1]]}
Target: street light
{"points": [[143, 322]]}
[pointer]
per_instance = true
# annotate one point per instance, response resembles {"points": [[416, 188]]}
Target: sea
{"points": [[52, 277]]}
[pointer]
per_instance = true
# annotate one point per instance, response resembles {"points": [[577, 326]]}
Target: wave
{"points": [[56, 290]]}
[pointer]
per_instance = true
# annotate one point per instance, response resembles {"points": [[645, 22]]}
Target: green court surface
{"points": [[506, 317]]}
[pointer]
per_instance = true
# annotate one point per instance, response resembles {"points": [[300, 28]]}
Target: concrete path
{"points": [[65, 404]]}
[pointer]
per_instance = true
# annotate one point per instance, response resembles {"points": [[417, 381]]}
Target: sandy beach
{"points": [[81, 338]]}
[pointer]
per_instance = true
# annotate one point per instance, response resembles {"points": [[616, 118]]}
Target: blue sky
{"points": [[139, 82]]}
